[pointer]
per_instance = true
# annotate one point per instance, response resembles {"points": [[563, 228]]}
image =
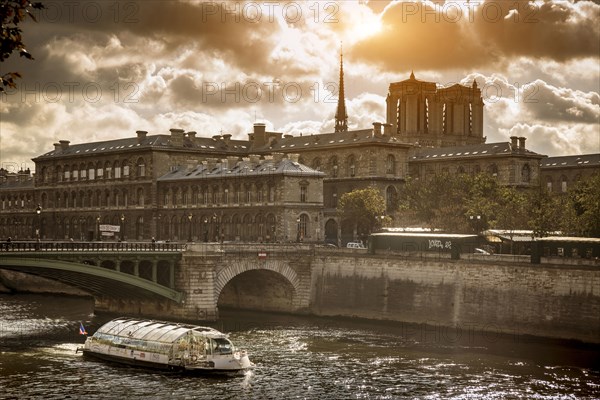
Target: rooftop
{"points": [[583, 160]]}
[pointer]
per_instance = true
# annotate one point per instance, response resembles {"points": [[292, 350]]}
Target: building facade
{"points": [[272, 186]]}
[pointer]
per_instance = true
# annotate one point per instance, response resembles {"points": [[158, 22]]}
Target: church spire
{"points": [[341, 117]]}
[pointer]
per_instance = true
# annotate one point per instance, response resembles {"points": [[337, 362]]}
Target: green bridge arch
{"points": [[98, 281]]}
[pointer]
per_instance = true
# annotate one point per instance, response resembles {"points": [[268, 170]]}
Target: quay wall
{"points": [[515, 298]]}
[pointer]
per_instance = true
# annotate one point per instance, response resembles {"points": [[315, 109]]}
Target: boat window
{"points": [[222, 346]]}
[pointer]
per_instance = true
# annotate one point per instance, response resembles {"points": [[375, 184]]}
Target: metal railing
{"points": [[53, 246]]}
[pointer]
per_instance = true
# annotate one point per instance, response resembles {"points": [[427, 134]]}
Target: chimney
{"points": [[56, 146], [522, 144], [259, 135], [277, 157], [176, 137], [513, 143], [64, 144], [227, 137], [377, 128], [192, 135], [141, 135], [294, 157], [254, 159]]}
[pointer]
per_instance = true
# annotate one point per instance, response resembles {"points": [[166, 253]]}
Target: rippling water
{"points": [[296, 357]]}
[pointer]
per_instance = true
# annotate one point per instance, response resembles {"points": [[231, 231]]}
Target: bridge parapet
{"points": [[29, 246]]}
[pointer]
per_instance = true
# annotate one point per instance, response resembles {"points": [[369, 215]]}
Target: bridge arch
{"points": [[279, 267]]}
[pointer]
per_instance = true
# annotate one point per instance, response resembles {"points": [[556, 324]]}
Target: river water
{"points": [[296, 358]]}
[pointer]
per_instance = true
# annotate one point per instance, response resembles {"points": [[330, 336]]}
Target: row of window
{"points": [[200, 227], [173, 196], [350, 165], [92, 171]]}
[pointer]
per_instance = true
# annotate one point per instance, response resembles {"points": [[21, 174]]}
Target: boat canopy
{"points": [[157, 331]]}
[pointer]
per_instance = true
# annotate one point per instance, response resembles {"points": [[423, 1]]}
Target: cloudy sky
{"points": [[105, 69]]}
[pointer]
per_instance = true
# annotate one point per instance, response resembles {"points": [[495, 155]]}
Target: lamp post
{"points": [[38, 212], [81, 228], [122, 226], [205, 230], [158, 227], [98, 228], [215, 227], [298, 229], [190, 216]]}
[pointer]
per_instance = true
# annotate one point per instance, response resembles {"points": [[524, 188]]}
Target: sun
{"points": [[368, 25]]}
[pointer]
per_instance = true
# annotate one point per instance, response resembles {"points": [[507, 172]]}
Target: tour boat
{"points": [[166, 345]]}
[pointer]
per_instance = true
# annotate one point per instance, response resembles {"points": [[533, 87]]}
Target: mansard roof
{"points": [[469, 151], [151, 142], [358, 137], [244, 168], [582, 160]]}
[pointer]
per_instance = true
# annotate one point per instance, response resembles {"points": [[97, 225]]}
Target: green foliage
{"points": [[542, 212], [453, 203], [13, 13], [584, 200], [363, 207]]}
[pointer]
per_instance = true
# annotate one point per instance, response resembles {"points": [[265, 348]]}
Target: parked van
{"points": [[355, 245]]}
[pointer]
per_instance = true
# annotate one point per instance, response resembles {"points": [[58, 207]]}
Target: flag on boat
{"points": [[82, 329]]}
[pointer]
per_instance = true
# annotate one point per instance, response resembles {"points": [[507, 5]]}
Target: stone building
{"points": [[558, 174], [127, 182], [272, 186]]}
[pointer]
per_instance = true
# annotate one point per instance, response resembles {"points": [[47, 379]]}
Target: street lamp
{"points": [[98, 228], [205, 230], [81, 219], [215, 227], [122, 226], [190, 216], [298, 229], [158, 227], [38, 212]]}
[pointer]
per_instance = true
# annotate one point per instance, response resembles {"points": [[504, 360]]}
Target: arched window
{"points": [[493, 170], [117, 170], [351, 166], [390, 165], [125, 166], [526, 173], [140, 196], [549, 183], [563, 183], [303, 227], [141, 168], [391, 199], [107, 170], [333, 166], [316, 163]]}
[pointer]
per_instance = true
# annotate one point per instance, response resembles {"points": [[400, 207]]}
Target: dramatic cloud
{"points": [[105, 69], [459, 34]]}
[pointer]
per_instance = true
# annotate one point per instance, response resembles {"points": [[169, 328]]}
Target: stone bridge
{"points": [[557, 298]]}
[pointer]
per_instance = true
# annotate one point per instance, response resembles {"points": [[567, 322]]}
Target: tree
{"points": [[543, 212], [363, 207], [585, 200], [13, 13]]}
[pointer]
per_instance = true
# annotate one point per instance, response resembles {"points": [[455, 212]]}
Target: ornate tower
{"points": [[341, 117]]}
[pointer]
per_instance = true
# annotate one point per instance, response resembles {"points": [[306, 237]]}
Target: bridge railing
{"points": [[25, 246]]}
